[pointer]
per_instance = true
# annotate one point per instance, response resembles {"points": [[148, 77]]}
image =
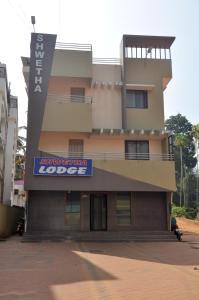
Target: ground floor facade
{"points": [[84, 211]]}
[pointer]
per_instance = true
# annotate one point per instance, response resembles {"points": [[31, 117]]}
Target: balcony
{"points": [[148, 71], [69, 98], [147, 59], [106, 61], [156, 171], [116, 156], [66, 113], [72, 60]]}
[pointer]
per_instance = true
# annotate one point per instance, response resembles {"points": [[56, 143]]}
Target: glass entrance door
{"points": [[98, 212]]}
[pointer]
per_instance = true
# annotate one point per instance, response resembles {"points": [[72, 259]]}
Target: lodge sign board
{"points": [[46, 166]]}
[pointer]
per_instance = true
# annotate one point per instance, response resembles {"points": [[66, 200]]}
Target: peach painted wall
{"points": [[155, 146], [52, 141], [58, 142], [106, 104], [62, 85], [106, 108]]}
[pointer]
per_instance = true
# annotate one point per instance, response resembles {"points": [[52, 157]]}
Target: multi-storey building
{"points": [[4, 102], [10, 152], [8, 138], [98, 156]]}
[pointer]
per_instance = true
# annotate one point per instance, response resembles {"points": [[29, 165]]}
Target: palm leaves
{"points": [[195, 132], [21, 141], [20, 155]]}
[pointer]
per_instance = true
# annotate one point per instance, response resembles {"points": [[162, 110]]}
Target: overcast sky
{"points": [[102, 24]]}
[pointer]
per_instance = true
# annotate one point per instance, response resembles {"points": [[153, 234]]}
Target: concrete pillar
{"points": [[85, 212], [169, 196]]}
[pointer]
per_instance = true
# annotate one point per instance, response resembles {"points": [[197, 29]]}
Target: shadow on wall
{"points": [[8, 218]]}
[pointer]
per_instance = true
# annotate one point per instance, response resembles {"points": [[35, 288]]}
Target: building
{"points": [[4, 104], [10, 151], [8, 138], [98, 156], [19, 198], [8, 141]]}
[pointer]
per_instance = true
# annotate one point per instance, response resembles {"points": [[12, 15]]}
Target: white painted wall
{"points": [[10, 148], [3, 123]]}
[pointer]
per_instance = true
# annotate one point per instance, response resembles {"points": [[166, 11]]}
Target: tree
{"points": [[20, 155], [195, 131], [181, 142], [21, 146], [184, 150], [180, 125]]}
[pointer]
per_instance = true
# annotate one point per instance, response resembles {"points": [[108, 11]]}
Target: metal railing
{"points": [[147, 53], [107, 61], [69, 98], [73, 46], [113, 156]]}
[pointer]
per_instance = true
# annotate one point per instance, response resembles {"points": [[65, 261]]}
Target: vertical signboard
{"points": [[41, 58]]}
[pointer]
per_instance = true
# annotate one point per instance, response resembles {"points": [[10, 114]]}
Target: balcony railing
{"points": [[112, 156], [69, 98], [107, 61], [74, 46], [147, 53]]}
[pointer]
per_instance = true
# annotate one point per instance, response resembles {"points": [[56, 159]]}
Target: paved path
{"points": [[99, 271]]}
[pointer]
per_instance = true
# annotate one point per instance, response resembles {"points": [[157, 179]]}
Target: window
{"points": [[137, 150], [16, 192], [77, 94], [72, 209], [76, 148], [123, 208], [170, 145], [137, 99]]}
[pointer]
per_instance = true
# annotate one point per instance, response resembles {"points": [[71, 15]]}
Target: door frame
{"points": [[92, 195]]}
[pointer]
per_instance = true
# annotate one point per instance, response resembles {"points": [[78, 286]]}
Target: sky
{"points": [[102, 24]]}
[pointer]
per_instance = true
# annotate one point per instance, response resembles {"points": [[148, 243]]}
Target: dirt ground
{"points": [[191, 226], [101, 271]]}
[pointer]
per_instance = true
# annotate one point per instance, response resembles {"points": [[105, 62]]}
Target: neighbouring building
{"points": [[4, 104], [19, 198], [10, 151], [8, 138], [98, 156]]}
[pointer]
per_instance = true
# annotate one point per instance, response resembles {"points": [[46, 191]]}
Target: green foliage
{"points": [[189, 213], [184, 138], [189, 193], [178, 211], [20, 155], [191, 190], [195, 131], [185, 159], [178, 124], [21, 144], [19, 166]]}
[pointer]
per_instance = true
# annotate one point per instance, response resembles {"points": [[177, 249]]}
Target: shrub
{"points": [[191, 213], [178, 211]]}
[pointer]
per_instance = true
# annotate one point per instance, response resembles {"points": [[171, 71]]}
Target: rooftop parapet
{"points": [[155, 47]]}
